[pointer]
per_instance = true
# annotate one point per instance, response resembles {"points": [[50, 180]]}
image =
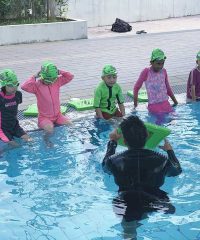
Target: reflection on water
{"points": [[62, 193]]}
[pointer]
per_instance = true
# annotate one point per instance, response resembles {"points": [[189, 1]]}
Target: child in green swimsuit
{"points": [[107, 93]]}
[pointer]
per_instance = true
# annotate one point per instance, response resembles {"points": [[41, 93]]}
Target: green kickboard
{"points": [[32, 110], [155, 135], [142, 95], [82, 104]]}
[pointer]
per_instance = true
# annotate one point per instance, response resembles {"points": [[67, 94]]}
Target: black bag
{"points": [[121, 26]]}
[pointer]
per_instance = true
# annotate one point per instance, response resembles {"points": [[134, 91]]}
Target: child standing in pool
{"points": [[10, 98], [193, 84], [157, 85], [46, 85], [106, 95]]}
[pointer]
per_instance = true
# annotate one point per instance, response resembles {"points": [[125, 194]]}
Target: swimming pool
{"points": [[62, 193]]}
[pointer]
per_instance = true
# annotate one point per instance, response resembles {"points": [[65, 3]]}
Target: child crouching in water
{"points": [[193, 84], [10, 98], [106, 95], [46, 85], [157, 85]]}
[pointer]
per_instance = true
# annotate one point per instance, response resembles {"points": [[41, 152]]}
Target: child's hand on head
{"points": [[37, 75]]}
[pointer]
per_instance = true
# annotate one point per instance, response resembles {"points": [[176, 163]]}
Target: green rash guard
{"points": [[105, 97]]}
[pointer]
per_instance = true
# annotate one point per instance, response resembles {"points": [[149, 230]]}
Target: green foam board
{"points": [[142, 95], [32, 110], [82, 104], [155, 135]]}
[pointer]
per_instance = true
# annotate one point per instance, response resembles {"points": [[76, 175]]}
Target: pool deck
{"points": [[129, 52]]}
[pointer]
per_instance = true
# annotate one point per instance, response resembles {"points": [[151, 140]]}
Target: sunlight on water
{"points": [[62, 193]]}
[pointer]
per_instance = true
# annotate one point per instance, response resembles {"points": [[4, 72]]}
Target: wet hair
{"points": [[134, 132], [3, 89]]}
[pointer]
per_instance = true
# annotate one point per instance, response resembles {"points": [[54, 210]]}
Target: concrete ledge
{"points": [[43, 32]]}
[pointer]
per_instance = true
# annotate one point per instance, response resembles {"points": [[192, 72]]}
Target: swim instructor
{"points": [[139, 173]]}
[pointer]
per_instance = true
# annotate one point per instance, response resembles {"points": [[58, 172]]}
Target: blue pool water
{"points": [[62, 193]]}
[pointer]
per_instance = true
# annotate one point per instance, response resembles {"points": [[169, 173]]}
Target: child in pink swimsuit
{"points": [[193, 84], [46, 85], [157, 85]]}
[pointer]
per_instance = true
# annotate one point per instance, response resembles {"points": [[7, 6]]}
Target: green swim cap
{"points": [[8, 77], [198, 55], [157, 54], [109, 70], [49, 72]]}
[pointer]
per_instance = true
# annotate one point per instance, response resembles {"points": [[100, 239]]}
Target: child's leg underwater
{"points": [[48, 132], [48, 127]]}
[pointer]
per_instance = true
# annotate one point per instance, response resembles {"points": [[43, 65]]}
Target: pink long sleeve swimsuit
{"points": [[158, 90], [48, 100]]}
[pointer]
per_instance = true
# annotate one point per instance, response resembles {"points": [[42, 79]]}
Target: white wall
{"points": [[104, 12], [43, 32]]}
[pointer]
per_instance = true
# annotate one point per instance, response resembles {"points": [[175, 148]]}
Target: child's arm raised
{"points": [[30, 85], [64, 77]]}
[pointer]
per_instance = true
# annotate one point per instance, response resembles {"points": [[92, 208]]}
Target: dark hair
{"points": [[3, 89], [134, 132]]}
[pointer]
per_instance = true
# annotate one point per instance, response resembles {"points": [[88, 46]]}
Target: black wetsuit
{"points": [[139, 173], [9, 125]]}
